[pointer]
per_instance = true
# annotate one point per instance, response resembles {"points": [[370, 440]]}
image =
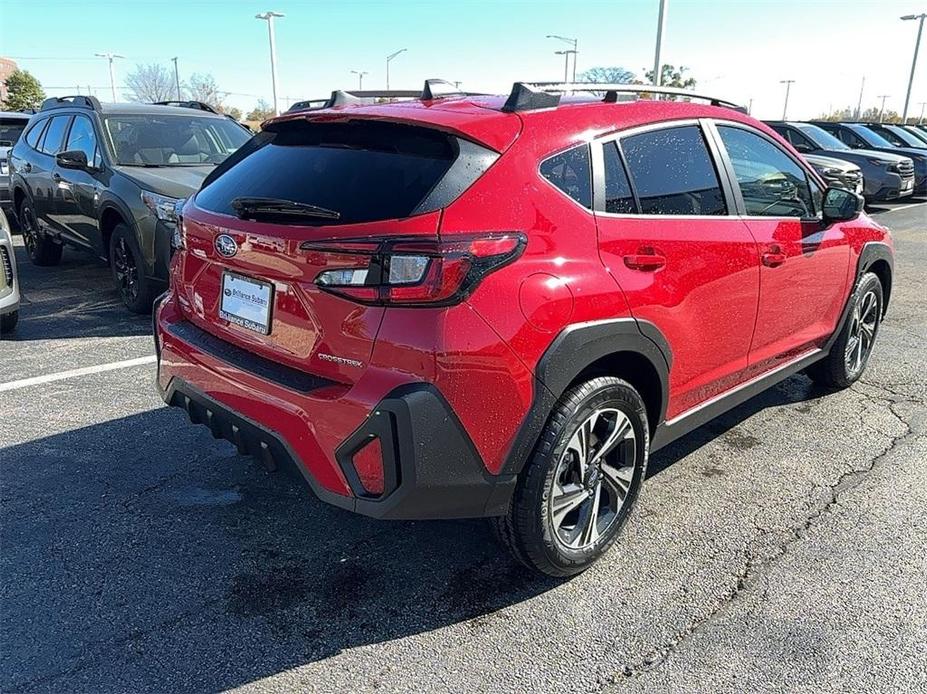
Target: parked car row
{"points": [[891, 169]]}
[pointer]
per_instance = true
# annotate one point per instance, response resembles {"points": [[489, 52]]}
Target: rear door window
{"points": [[54, 135], [570, 172], [362, 171], [673, 172]]}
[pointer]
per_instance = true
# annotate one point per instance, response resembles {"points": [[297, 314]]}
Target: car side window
{"points": [[54, 135], [83, 139], [771, 182], [799, 141], [673, 173], [618, 196], [35, 132], [850, 139], [570, 172]]}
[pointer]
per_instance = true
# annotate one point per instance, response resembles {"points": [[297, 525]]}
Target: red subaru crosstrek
{"points": [[487, 306]]}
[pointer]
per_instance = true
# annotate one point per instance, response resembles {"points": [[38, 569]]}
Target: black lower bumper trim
{"points": [[439, 475]]}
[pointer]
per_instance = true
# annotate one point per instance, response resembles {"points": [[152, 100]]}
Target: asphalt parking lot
{"points": [[780, 547]]}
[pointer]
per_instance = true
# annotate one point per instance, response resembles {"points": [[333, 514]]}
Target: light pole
{"points": [[575, 44], [177, 78], [785, 107], [389, 58], [882, 110], [112, 74], [566, 63], [269, 18], [859, 104], [657, 64], [917, 45], [360, 77], [921, 119]]}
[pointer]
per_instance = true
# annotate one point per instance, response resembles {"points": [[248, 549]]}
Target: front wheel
{"points": [[851, 350], [134, 287], [577, 490]]}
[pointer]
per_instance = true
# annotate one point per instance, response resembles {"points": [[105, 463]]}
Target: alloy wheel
{"points": [[862, 331], [126, 271], [593, 478], [27, 222]]}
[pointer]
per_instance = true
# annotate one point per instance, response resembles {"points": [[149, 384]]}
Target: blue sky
{"points": [[737, 49]]}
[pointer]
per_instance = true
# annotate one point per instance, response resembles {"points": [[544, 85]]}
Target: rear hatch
{"points": [[306, 206]]}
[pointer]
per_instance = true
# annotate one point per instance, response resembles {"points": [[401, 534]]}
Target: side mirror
{"points": [[803, 148], [72, 159], [841, 205]]}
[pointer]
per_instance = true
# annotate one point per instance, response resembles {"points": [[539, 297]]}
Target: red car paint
{"points": [[733, 296]]}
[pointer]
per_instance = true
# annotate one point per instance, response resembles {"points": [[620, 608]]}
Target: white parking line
{"points": [[904, 207], [73, 373]]}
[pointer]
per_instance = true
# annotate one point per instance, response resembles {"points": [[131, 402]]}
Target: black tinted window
{"points": [[673, 172], [32, 137], [363, 171], [570, 172], [799, 141], [618, 197], [772, 183], [54, 134]]}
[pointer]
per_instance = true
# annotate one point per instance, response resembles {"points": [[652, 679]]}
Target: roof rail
{"points": [[613, 90], [433, 89], [197, 105], [72, 101]]}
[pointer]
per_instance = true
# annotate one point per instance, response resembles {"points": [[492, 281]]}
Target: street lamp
{"points": [[575, 44], [112, 74], [785, 107], [388, 59], [917, 45], [882, 110], [177, 78], [269, 18], [360, 77]]}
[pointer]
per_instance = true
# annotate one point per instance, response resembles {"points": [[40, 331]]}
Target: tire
{"points": [[42, 250], [8, 322], [559, 539], [850, 353], [125, 260]]}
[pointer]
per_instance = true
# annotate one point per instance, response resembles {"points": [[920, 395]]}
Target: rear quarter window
{"points": [[365, 171], [570, 172]]}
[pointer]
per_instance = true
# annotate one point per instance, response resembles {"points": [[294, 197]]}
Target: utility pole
{"points": [[750, 107], [921, 119], [389, 58], [112, 74], [269, 18], [657, 63], [360, 77], [859, 104], [785, 107], [573, 42], [882, 110], [177, 78], [917, 45]]}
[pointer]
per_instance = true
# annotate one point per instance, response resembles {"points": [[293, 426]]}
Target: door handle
{"points": [[774, 258], [646, 261]]}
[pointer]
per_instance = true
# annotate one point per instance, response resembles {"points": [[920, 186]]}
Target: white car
{"points": [[9, 285]]}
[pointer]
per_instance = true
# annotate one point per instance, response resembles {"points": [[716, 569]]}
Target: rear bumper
{"points": [[431, 468]]}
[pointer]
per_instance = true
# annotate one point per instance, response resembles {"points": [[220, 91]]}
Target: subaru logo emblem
{"points": [[226, 246]]}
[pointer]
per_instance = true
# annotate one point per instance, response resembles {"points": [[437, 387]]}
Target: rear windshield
{"points": [[363, 171], [10, 130], [172, 140]]}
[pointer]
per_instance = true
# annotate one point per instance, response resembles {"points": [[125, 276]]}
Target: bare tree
{"points": [[150, 83], [607, 75], [204, 88], [261, 112]]}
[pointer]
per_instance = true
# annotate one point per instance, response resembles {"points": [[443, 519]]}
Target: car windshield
{"points": [[11, 129], [821, 137], [870, 137], [172, 140]]}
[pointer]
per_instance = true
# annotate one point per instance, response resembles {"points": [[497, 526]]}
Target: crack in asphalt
{"points": [[754, 563]]}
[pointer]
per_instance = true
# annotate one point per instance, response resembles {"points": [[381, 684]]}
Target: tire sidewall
{"points": [[142, 303], [868, 282], [606, 392]]}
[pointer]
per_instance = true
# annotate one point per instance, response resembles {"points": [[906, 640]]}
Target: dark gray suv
{"points": [[105, 178], [885, 176]]}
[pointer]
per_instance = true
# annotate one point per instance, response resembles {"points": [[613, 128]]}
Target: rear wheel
{"points": [[125, 259], [576, 492], [41, 249], [850, 353], [8, 322]]}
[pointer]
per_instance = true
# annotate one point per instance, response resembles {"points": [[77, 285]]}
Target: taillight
{"points": [[415, 272]]}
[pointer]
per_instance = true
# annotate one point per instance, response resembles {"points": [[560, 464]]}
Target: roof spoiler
{"points": [[197, 105], [612, 91]]}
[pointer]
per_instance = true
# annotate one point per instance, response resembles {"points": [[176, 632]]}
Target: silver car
{"points": [[9, 284], [12, 125], [837, 172]]}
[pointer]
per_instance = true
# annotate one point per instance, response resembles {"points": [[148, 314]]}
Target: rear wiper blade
{"points": [[251, 205]]}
